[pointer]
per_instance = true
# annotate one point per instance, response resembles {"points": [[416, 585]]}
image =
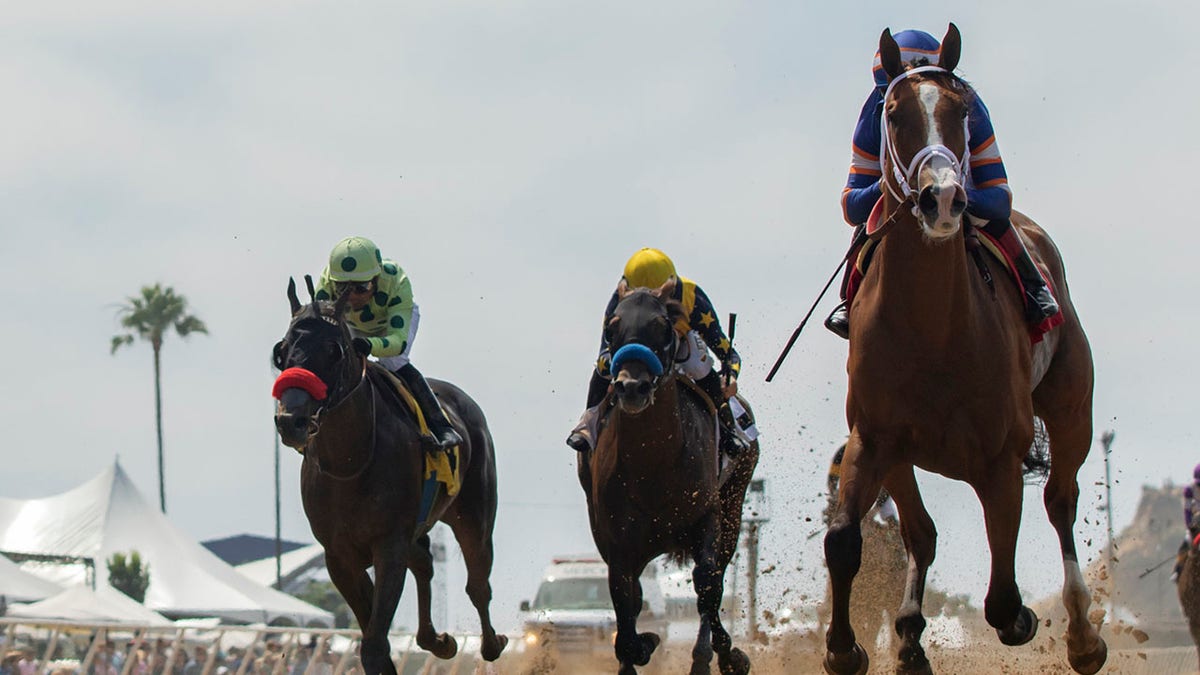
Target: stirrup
{"points": [[441, 439], [1040, 305], [579, 441], [731, 443]]}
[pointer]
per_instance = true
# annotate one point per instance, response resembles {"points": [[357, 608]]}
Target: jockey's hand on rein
{"points": [[362, 346]]}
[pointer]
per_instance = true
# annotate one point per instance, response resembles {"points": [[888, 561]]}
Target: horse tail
{"points": [[1037, 461]]}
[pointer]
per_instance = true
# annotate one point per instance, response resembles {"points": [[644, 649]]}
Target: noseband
{"points": [[902, 175]]}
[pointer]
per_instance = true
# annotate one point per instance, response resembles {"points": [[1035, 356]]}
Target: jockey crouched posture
{"points": [[1191, 519], [383, 315], [700, 331], [989, 198]]}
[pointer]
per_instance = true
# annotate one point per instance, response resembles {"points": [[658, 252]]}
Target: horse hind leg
{"points": [[441, 645], [1000, 493], [920, 542], [1086, 650], [477, 552], [708, 579]]}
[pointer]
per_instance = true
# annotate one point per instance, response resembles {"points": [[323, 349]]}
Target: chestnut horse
{"points": [[654, 484], [1188, 587], [361, 480], [943, 376]]}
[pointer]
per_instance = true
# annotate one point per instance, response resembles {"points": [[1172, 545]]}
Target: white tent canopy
{"points": [[17, 585], [108, 515], [292, 565], [80, 603]]}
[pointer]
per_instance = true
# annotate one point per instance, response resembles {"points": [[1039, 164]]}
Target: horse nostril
{"points": [[300, 423], [927, 201], [643, 389], [619, 387]]}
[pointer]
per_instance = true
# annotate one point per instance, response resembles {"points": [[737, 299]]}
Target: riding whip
{"points": [[732, 328], [796, 333]]}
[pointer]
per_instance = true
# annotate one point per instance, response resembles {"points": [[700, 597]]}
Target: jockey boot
{"points": [[442, 435], [1039, 302], [731, 442], [839, 320], [581, 436]]}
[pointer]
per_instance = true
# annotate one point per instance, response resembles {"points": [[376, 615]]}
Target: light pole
{"points": [[1106, 439], [755, 511]]}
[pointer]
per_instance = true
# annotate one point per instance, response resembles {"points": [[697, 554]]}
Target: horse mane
{"points": [[960, 84]]}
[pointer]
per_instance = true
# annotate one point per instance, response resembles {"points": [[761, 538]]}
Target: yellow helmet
{"points": [[354, 259], [648, 268]]}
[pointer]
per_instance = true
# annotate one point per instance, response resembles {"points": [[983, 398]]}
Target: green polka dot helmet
{"points": [[354, 259]]}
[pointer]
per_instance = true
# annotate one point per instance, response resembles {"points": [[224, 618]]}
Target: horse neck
{"points": [[926, 284], [347, 428]]}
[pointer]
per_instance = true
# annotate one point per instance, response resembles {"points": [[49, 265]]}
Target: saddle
{"points": [[440, 467]]}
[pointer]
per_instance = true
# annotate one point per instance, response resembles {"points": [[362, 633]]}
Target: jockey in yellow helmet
{"points": [[700, 331], [383, 314]]}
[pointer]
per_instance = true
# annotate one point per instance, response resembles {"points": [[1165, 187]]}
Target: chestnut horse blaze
{"points": [[943, 376]]}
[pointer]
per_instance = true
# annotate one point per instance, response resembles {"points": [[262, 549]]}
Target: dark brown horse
{"points": [[654, 483], [361, 481], [1188, 587], [943, 376]]}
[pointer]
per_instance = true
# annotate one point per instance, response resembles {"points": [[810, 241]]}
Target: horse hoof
{"points": [[1086, 664], [853, 662], [1022, 630], [444, 646], [735, 663], [492, 650], [921, 668], [649, 642], [626, 669]]}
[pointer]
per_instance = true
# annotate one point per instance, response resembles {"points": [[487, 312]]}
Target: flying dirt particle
{"points": [[1140, 635], [1097, 615], [1048, 623], [1142, 655]]}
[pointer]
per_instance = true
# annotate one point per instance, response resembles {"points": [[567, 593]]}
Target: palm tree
{"points": [[150, 317]]}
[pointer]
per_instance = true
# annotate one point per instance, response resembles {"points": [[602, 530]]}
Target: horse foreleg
{"points": [[441, 645], [1086, 650], [631, 648], [354, 584], [1000, 494], [390, 573], [708, 580], [476, 546], [858, 487], [920, 542]]}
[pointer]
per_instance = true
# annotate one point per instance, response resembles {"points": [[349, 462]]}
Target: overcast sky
{"points": [[511, 156]]}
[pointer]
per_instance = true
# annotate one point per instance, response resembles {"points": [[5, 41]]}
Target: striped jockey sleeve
{"points": [[988, 193], [862, 186]]}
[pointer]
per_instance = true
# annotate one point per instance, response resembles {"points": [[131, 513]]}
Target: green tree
{"points": [[150, 317], [323, 594], [129, 575]]}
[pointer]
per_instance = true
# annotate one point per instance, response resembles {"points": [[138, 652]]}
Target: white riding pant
{"points": [[692, 357], [394, 363]]}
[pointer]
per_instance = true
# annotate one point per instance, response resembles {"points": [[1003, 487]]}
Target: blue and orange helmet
{"points": [[916, 48]]}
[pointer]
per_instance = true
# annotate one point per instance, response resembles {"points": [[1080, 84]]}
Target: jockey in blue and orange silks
{"points": [[989, 198], [699, 331]]}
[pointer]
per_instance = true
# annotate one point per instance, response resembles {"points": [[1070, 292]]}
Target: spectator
{"points": [[196, 665]]}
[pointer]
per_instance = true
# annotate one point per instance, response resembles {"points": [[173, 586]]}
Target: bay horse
{"points": [[1188, 587], [943, 376], [362, 474], [654, 484]]}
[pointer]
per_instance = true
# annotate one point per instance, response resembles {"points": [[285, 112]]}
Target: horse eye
{"points": [[336, 351], [279, 355]]}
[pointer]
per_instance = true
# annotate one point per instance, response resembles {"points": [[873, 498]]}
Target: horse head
{"points": [[320, 365], [924, 127], [643, 341]]}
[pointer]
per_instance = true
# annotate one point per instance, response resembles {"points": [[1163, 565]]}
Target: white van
{"points": [[571, 621]]}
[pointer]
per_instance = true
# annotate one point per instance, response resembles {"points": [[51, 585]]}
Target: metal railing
{"points": [[331, 651]]}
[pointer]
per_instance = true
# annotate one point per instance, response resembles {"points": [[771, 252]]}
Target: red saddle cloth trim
{"points": [[1196, 541], [299, 378], [1036, 331], [875, 217]]}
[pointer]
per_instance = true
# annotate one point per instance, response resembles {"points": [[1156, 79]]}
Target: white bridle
{"points": [[904, 176]]}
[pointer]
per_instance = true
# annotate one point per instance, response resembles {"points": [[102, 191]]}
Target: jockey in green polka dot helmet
{"points": [[383, 318]]}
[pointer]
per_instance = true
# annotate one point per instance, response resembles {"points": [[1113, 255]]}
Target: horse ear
{"points": [[339, 305], [312, 293], [622, 288], [951, 49], [295, 302], [666, 289], [889, 55]]}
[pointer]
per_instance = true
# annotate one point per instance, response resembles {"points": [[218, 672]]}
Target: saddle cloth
{"points": [[440, 467]]}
